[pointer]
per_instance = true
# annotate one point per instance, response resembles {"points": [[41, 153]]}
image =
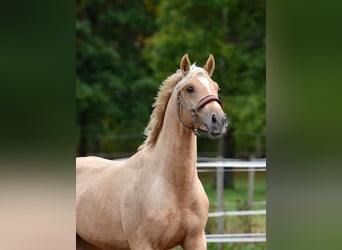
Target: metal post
{"points": [[251, 175], [219, 189], [251, 172]]}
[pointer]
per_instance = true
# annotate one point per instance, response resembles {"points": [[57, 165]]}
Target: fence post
{"points": [[251, 175], [220, 208], [251, 172]]}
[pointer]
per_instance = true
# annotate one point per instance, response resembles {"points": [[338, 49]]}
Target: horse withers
{"points": [[154, 199]]}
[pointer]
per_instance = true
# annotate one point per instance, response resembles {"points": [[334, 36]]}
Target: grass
{"points": [[239, 193], [238, 246], [235, 246]]}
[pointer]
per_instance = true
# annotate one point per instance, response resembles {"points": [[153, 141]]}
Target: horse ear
{"points": [[185, 64], [210, 65]]}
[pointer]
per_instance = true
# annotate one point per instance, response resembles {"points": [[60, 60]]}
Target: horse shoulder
{"points": [[196, 210]]}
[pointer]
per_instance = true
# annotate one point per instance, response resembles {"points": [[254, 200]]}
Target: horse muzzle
{"points": [[216, 124]]}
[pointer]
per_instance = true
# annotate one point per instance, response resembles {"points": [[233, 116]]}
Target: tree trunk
{"points": [[228, 151], [83, 143]]}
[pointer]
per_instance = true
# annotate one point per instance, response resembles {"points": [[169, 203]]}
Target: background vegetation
{"points": [[125, 49]]}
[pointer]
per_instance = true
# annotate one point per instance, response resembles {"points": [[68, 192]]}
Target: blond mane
{"points": [[165, 90]]}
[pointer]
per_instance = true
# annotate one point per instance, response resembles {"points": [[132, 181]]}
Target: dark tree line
{"points": [[126, 48]]}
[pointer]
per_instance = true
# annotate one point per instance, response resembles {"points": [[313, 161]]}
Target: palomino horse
{"points": [[154, 200]]}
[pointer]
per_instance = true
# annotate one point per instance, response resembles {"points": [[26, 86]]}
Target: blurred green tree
{"points": [[126, 48], [113, 80], [234, 32]]}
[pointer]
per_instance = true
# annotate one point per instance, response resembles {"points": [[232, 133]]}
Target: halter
{"points": [[193, 110]]}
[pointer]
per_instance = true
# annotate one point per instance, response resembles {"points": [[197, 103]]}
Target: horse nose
{"points": [[213, 118], [223, 120]]}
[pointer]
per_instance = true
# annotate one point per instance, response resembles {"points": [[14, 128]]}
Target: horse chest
{"points": [[168, 228], [175, 220]]}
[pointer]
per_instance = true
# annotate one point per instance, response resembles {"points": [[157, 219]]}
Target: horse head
{"points": [[199, 108]]}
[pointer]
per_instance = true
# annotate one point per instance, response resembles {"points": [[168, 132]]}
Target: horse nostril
{"points": [[224, 121], [213, 118]]}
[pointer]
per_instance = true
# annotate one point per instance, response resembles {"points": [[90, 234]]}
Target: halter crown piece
{"points": [[193, 110]]}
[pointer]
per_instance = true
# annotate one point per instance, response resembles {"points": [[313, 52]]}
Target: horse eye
{"points": [[190, 89]]}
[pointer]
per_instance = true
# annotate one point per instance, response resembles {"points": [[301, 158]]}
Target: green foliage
{"points": [[114, 91], [234, 32], [247, 114], [239, 246], [126, 48]]}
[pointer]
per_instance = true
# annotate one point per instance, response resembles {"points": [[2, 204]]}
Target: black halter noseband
{"points": [[193, 110]]}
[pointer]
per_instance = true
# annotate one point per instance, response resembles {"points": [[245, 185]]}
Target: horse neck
{"points": [[176, 148]]}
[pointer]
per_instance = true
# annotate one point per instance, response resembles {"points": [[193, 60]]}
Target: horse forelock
{"points": [[194, 70], [176, 80]]}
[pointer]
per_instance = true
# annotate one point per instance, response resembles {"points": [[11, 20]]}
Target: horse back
{"points": [[97, 205], [89, 166], [91, 170]]}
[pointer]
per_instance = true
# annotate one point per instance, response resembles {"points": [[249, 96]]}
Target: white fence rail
{"points": [[225, 238], [233, 164], [237, 213], [219, 167]]}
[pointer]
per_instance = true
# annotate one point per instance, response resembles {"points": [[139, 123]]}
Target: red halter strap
{"points": [[205, 100]]}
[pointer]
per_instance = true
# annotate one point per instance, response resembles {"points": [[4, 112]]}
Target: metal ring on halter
{"points": [[193, 110]]}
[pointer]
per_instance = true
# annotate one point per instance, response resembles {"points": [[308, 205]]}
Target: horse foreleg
{"points": [[198, 243]]}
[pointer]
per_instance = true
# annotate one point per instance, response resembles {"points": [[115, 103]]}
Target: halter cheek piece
{"points": [[193, 110]]}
